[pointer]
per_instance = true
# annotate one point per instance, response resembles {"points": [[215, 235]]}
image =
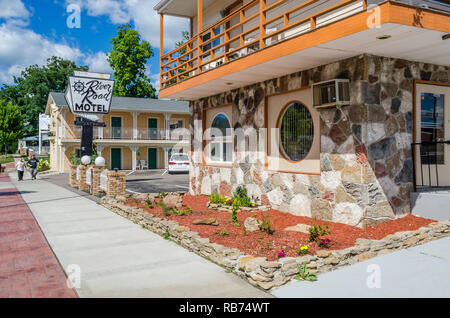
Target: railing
{"points": [[128, 133], [429, 168], [252, 27]]}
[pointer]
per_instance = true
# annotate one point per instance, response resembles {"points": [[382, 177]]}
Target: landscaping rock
{"points": [[207, 221], [252, 224], [173, 201], [301, 228], [323, 253]]}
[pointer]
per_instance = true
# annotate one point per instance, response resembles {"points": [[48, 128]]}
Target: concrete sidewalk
{"points": [[420, 271], [118, 258]]}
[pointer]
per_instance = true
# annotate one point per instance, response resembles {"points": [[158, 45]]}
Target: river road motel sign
{"points": [[88, 95]]}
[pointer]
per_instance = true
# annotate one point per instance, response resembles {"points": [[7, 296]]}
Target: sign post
{"points": [[88, 95]]}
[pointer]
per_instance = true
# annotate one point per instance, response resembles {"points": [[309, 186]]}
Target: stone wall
{"points": [[268, 274], [366, 161]]}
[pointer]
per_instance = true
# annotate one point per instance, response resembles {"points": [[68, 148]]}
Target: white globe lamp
{"points": [[85, 160], [100, 161]]}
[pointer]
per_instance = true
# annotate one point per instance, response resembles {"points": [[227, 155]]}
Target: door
{"points": [[116, 158], [152, 158], [116, 127], [432, 132], [153, 128]]}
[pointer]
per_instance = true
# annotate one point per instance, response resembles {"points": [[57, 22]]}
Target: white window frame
{"points": [[221, 141]]}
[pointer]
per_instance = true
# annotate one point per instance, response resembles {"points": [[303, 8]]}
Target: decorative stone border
{"points": [[269, 274], [229, 208]]}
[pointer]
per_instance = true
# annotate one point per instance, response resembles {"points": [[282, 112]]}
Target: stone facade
{"points": [[269, 274], [366, 162], [116, 183]]}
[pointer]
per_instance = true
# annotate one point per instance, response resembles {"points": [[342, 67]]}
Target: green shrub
{"points": [[148, 204], [224, 233], [217, 198], [240, 197]]}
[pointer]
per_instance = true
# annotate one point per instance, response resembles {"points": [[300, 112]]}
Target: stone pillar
{"points": [[116, 183], [95, 184], [82, 178], [73, 176], [167, 125]]}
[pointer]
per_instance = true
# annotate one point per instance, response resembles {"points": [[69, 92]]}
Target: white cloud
{"points": [[98, 63], [13, 9], [141, 12], [21, 47]]}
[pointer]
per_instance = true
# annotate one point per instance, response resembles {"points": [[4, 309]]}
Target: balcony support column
{"points": [[262, 20], [134, 150], [99, 150], [135, 124], [167, 125], [166, 157], [199, 31], [161, 47]]}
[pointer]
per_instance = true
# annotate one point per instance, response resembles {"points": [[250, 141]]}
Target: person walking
{"points": [[33, 163], [20, 166]]}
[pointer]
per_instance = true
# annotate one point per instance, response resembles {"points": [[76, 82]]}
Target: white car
{"points": [[179, 162]]}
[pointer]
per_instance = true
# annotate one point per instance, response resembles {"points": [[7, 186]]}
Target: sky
{"points": [[33, 30]]}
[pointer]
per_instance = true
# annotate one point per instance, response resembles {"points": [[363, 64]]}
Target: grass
{"points": [[6, 159]]}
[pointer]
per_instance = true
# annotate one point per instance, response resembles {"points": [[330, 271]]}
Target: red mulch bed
{"points": [[262, 244]]}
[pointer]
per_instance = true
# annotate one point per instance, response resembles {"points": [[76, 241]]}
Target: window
{"points": [[213, 43], [432, 128], [296, 131], [220, 145]]}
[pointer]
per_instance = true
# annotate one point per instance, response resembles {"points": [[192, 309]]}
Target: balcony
{"points": [[231, 52], [128, 133]]}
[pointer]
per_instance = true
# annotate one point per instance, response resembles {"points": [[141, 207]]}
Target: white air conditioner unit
{"points": [[331, 93]]}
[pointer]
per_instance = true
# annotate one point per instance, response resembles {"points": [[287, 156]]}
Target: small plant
{"points": [[224, 233], [234, 217], [245, 231], [165, 210], [266, 224], [166, 236], [135, 200], [324, 243], [302, 250], [304, 274], [161, 195], [148, 204], [316, 231], [281, 254], [268, 245], [185, 211]]}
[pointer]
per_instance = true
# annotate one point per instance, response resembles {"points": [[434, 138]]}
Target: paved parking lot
{"points": [[156, 181], [146, 181]]}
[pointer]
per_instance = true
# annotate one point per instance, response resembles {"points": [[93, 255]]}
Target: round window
{"points": [[296, 131]]}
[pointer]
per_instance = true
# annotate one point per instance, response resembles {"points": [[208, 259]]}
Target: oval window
{"points": [[296, 131]]}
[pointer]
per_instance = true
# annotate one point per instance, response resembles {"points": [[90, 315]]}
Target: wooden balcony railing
{"points": [[252, 27]]}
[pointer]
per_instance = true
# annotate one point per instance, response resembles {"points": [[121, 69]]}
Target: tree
{"points": [[128, 59], [11, 124], [33, 86]]}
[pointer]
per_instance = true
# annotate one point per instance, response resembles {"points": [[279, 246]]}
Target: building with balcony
{"points": [[140, 133], [317, 103]]}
